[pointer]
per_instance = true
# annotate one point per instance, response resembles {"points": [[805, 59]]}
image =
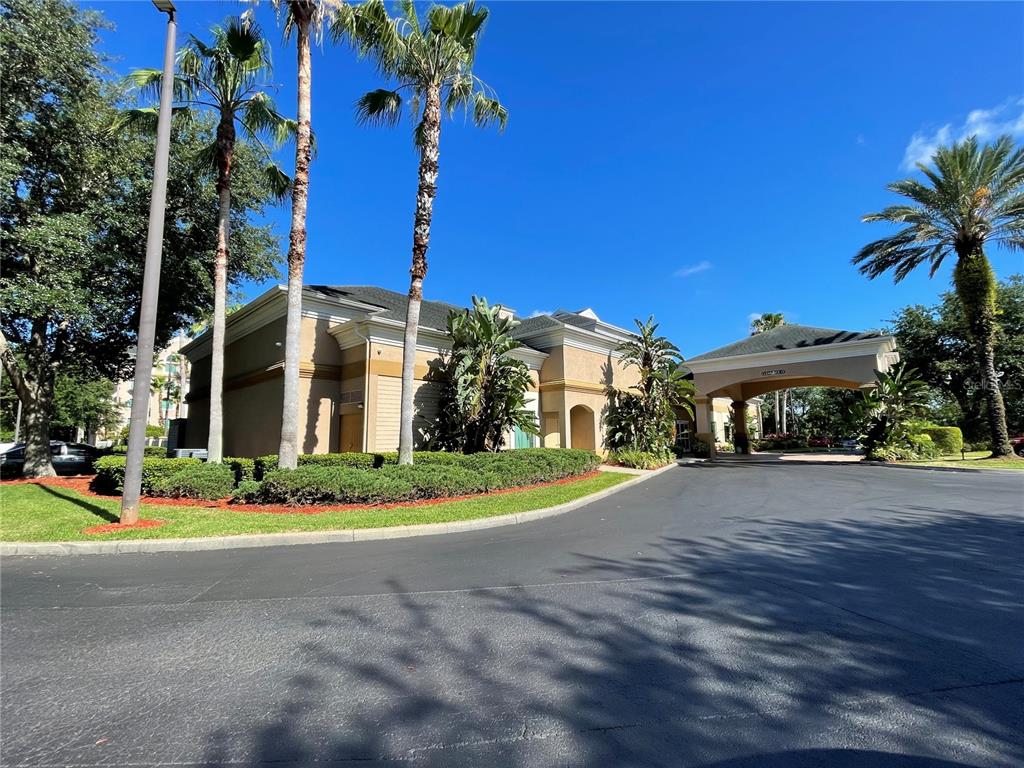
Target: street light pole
{"points": [[150, 282]]}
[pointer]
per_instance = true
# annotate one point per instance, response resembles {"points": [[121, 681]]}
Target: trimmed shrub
{"points": [[327, 480], [243, 469], [109, 477], [154, 451], [263, 465], [332, 485], [248, 491], [206, 481], [435, 481], [923, 447], [640, 459], [355, 460], [948, 440]]}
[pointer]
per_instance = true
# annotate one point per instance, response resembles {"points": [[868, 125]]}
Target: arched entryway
{"points": [[581, 428], [787, 357]]}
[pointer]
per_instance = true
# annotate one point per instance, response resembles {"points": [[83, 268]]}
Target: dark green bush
{"points": [[109, 477], [154, 451], [346, 478], [263, 465], [247, 491], [948, 440], [332, 485], [434, 481], [206, 481], [354, 460], [243, 469]]}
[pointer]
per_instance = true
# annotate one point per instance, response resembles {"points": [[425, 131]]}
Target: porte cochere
{"points": [[786, 357]]}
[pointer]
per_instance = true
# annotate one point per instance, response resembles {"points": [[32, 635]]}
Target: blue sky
{"points": [[701, 162]]}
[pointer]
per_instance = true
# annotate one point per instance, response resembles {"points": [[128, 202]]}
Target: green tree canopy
{"points": [[972, 197], [483, 388], [74, 209], [936, 341]]}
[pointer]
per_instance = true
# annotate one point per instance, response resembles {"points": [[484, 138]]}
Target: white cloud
{"points": [[861, 141], [539, 312], [694, 269], [986, 124]]}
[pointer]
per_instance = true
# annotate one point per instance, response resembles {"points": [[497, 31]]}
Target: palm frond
{"points": [[379, 107], [279, 182], [488, 111], [261, 118]]}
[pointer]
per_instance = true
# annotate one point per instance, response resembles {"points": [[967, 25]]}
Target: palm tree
{"points": [[432, 64], [766, 321], [973, 196], [305, 18], [228, 78], [483, 387], [644, 419]]}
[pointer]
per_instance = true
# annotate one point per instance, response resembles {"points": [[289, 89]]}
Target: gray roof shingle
{"points": [[433, 314], [786, 337]]}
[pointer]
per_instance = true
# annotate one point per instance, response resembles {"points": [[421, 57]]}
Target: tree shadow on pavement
{"points": [[893, 642]]}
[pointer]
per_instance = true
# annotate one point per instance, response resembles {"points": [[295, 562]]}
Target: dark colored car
{"points": [[1018, 445], [67, 458]]}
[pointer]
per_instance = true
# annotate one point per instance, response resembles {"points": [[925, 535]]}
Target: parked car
{"points": [[849, 443], [820, 442], [1018, 445], [67, 458]]}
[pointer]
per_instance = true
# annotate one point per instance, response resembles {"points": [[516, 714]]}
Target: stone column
{"points": [[702, 407], [739, 426]]}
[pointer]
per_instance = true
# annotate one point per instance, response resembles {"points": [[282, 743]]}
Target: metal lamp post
{"points": [[150, 282]]}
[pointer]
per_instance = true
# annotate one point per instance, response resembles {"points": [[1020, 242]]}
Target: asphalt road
{"points": [[727, 617]]}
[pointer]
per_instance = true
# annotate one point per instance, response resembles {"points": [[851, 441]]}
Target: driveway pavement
{"points": [[726, 616]]}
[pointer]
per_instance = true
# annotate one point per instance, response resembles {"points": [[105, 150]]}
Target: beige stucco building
{"points": [[350, 373], [169, 367]]}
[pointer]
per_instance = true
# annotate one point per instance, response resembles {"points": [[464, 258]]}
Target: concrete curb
{"points": [[864, 463], [51, 548]]}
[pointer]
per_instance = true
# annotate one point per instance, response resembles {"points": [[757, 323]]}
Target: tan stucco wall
{"points": [[252, 419], [571, 377], [253, 390]]}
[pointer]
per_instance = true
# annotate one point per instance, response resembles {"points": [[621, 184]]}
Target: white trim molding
{"points": [[883, 347]]}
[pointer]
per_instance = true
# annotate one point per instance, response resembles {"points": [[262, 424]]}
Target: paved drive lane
{"points": [[717, 616]]}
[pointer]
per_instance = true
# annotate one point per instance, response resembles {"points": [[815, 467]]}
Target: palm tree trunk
{"points": [[288, 453], [425, 193], [976, 288], [225, 155]]}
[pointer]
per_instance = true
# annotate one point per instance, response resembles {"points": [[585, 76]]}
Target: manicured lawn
{"points": [[972, 460], [31, 512]]}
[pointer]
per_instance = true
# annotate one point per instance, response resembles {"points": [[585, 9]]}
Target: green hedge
{"points": [[948, 440], [154, 451], [109, 477], [332, 485], [434, 475], [244, 469], [263, 465], [207, 481]]}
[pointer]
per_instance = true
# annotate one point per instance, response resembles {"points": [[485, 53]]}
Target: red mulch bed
{"points": [[80, 484], [115, 527]]}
